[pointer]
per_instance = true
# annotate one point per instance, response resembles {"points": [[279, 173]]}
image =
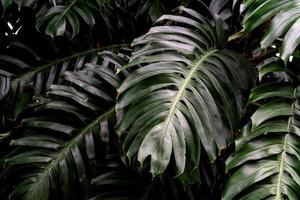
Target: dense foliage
{"points": [[149, 99]]}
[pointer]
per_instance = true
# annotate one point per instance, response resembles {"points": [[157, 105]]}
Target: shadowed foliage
{"points": [[149, 100]]}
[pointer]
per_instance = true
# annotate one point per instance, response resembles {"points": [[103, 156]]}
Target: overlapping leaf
{"points": [[59, 17], [224, 8], [154, 9], [28, 3], [17, 91], [26, 77], [285, 22], [59, 149], [185, 92], [266, 162], [118, 185]]}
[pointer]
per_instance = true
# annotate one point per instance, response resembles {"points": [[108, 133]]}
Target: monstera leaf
{"points": [[285, 22], [26, 76], [62, 17], [185, 93], [64, 141], [59, 17], [266, 162]]}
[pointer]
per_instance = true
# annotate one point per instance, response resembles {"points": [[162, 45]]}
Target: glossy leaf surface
{"points": [[184, 93], [265, 164]]}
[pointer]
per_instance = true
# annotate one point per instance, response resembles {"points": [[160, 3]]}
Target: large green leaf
{"points": [[59, 17], [266, 163], [62, 17], [15, 93], [58, 153], [66, 17], [285, 15], [185, 92], [26, 77]]}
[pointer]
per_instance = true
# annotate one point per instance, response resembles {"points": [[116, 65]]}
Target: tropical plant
{"points": [[128, 100], [267, 151]]}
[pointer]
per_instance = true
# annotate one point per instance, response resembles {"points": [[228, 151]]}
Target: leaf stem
{"points": [[183, 87], [55, 62], [278, 191], [73, 141]]}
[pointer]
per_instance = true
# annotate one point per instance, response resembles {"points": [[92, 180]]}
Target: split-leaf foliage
{"points": [[152, 100]]}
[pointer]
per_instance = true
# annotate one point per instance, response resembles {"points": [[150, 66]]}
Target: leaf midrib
{"points": [[61, 60], [72, 142], [278, 190], [180, 93], [67, 10]]}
